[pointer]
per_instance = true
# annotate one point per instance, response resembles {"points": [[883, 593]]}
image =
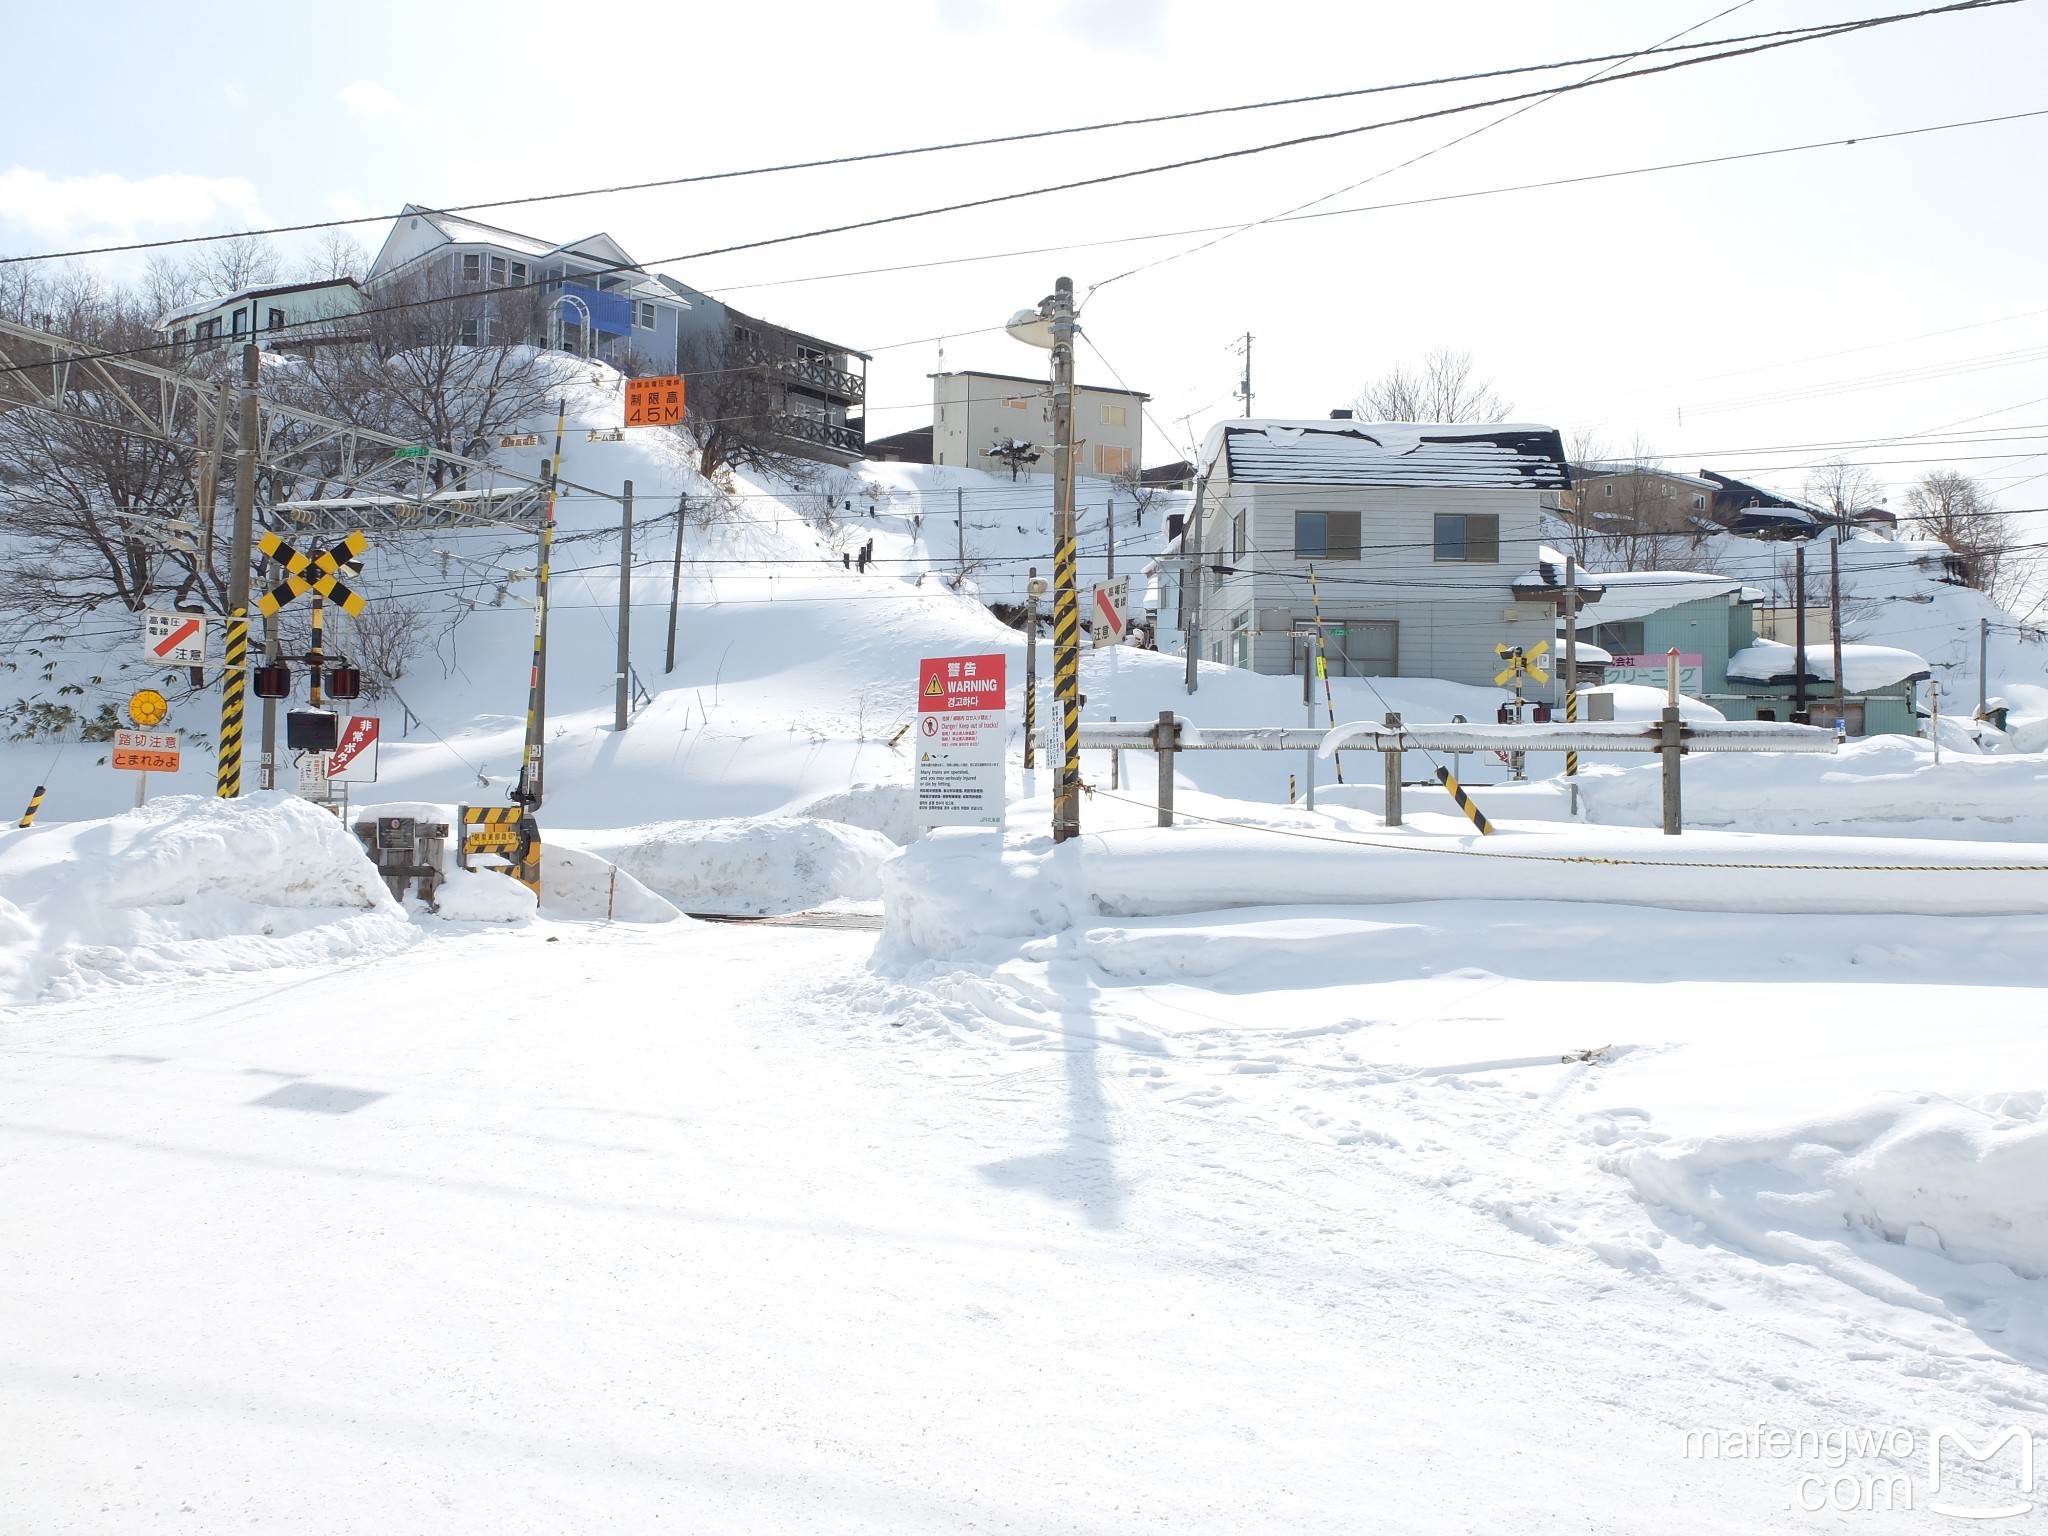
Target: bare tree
{"points": [[1638, 520], [338, 254], [1954, 508], [1840, 488], [221, 267], [1442, 388], [733, 409]]}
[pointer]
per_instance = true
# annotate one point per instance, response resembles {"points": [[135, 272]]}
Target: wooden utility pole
{"points": [[675, 584], [622, 698], [960, 534], [1835, 627], [532, 768], [1191, 585]]}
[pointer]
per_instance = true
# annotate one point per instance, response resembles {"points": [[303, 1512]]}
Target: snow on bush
{"points": [[1968, 1180], [749, 866], [187, 884]]}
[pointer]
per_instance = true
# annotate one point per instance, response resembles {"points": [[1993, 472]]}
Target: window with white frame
{"points": [[646, 316], [497, 271], [519, 274], [472, 267], [1113, 416], [1111, 459], [1326, 535]]}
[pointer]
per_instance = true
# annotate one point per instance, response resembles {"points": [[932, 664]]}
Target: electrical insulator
{"points": [[344, 683], [273, 680]]}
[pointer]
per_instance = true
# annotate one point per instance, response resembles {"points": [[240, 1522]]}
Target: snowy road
{"points": [[566, 1228]]}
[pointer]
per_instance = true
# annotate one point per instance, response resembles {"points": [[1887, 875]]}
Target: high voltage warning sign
{"points": [[178, 639], [319, 572]]}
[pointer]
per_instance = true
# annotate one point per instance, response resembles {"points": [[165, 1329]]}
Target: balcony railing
{"points": [[818, 375], [824, 433]]}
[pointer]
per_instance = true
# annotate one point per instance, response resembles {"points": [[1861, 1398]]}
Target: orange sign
{"points": [[654, 402], [147, 751]]}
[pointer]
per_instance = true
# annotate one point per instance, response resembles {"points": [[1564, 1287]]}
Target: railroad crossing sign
{"points": [[1521, 663], [147, 751], [147, 707], [176, 638], [319, 573]]}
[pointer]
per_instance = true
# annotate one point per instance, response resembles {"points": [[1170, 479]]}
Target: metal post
{"points": [[1934, 722], [1032, 588], [623, 696], [1670, 732], [1983, 672], [1191, 565], [1109, 540], [1571, 669], [960, 532], [532, 768], [1066, 619], [1392, 757], [273, 650], [234, 677], [675, 583], [1116, 758], [1323, 667], [1165, 740], [1308, 700], [1799, 634], [316, 654]]}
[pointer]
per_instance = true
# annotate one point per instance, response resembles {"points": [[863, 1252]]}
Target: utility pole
{"points": [[1983, 671], [234, 677], [1308, 700], [960, 533], [622, 699], [1835, 627], [532, 768], [1799, 633], [675, 583], [1245, 390], [1066, 606], [1109, 540], [1191, 588], [1571, 669]]}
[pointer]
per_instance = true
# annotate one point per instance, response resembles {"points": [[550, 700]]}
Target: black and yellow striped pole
{"points": [[35, 803], [1571, 666], [1066, 602], [234, 687], [1472, 812], [1323, 668], [528, 792]]}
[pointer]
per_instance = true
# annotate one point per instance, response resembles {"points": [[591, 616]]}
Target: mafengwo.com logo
{"points": [[1877, 1469]]}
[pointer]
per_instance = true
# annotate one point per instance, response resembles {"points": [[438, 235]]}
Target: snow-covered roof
{"points": [[344, 286], [1407, 453], [1613, 468], [1864, 667], [1588, 651], [1638, 594]]}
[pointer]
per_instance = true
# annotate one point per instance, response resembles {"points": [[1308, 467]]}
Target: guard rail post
{"points": [[1392, 757], [1670, 734], [1165, 741]]}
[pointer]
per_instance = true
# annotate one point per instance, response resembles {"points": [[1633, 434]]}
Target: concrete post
{"points": [[1671, 734], [1392, 758], [1165, 740]]}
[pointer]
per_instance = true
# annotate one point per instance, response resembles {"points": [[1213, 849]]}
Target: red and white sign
{"points": [[1107, 617], [147, 751], [177, 639], [962, 734], [354, 758]]}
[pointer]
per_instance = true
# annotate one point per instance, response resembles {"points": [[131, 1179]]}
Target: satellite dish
{"points": [[1031, 328]]}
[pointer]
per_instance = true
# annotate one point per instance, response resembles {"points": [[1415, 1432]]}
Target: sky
{"points": [[1755, 317]]}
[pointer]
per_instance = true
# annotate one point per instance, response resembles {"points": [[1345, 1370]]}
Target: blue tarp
{"points": [[609, 312]]}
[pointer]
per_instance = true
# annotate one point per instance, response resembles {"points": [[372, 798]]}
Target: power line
{"points": [[926, 149]]}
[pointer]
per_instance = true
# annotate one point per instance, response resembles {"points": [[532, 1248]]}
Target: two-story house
{"points": [[1424, 543], [976, 415]]}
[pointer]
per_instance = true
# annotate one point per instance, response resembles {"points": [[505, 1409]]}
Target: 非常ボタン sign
{"points": [[178, 639], [962, 730], [656, 402], [354, 758], [147, 751]]}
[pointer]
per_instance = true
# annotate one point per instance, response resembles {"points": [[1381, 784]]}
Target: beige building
{"points": [[973, 413]]}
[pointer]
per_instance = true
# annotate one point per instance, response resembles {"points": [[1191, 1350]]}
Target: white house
{"points": [[974, 412], [1423, 541], [275, 314], [594, 298]]}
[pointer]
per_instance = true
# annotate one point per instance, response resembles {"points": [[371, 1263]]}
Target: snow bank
{"points": [[187, 885], [577, 883], [752, 866], [1879, 780], [890, 809], [1965, 1179]]}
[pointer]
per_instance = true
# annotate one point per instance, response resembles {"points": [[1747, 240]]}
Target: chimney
{"points": [[1340, 415]]}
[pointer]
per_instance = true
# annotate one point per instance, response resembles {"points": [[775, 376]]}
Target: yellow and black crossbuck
{"points": [[319, 573]]}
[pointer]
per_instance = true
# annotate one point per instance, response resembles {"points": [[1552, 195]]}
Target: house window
{"points": [[1607, 490], [1473, 537], [1111, 460], [472, 267], [1620, 638], [240, 319], [1699, 503], [497, 271], [178, 336], [1112, 416], [1326, 535], [1237, 539], [469, 333], [274, 320], [1352, 647], [646, 317], [519, 274]]}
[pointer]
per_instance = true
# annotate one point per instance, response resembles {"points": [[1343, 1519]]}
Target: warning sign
{"points": [[655, 402], [962, 730], [354, 758], [178, 639], [147, 751], [1112, 599]]}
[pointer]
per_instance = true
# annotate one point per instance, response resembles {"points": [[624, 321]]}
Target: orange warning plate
{"points": [[655, 402]]}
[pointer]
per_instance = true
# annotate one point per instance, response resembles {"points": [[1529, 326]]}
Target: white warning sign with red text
{"points": [[354, 758], [963, 726], [177, 639]]}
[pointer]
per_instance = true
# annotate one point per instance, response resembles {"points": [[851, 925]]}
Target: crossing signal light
{"points": [[273, 681], [344, 683]]}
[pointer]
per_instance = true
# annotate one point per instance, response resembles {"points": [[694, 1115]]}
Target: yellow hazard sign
{"points": [[147, 707]]}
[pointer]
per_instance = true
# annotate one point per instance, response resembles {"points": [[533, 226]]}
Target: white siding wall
{"points": [[971, 411], [1451, 613]]}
